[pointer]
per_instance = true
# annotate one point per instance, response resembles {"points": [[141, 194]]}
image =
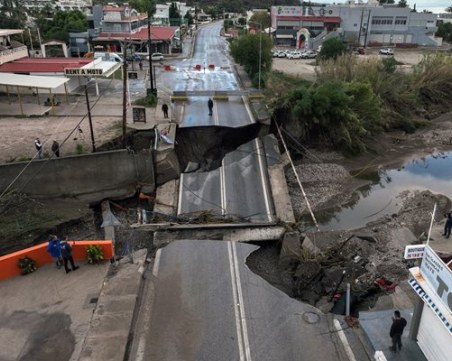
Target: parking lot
{"points": [[305, 68]]}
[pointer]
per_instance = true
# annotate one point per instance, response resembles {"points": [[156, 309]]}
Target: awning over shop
{"points": [[31, 81], [284, 36]]}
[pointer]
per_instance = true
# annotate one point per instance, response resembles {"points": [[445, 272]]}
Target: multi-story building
{"points": [[11, 50], [356, 23], [64, 5]]}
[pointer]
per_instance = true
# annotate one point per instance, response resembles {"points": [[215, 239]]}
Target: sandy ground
{"points": [[18, 135]]}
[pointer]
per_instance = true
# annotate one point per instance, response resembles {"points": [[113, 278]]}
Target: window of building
{"points": [[382, 20], [400, 20]]}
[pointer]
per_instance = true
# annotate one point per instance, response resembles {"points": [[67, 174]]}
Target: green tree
{"points": [[402, 4], [331, 49], [445, 31], [189, 18], [448, 9], [262, 18], [386, 2], [12, 15], [62, 23], [248, 49], [174, 16]]}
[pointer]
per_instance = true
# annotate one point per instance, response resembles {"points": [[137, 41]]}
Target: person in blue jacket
{"points": [[54, 249], [448, 225], [66, 252]]}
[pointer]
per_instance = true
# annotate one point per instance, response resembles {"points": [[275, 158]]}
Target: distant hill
{"points": [[240, 5]]}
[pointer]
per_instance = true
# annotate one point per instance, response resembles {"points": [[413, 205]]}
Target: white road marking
{"points": [[235, 301], [248, 109], [223, 189], [181, 186], [242, 304], [344, 340], [141, 349], [263, 178], [155, 269]]}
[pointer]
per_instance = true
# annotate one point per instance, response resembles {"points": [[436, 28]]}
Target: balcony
{"points": [[8, 55]]}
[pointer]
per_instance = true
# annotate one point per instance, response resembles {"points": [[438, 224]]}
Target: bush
{"points": [[332, 49], [80, 148], [94, 254], [148, 101], [27, 265]]}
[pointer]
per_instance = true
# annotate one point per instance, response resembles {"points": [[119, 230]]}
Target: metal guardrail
{"points": [[216, 93]]}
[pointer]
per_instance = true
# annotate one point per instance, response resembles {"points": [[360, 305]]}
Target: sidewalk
{"points": [[87, 313]]}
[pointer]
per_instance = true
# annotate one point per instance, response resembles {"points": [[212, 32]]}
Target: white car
{"points": [[156, 57], [386, 51], [294, 55], [310, 54]]}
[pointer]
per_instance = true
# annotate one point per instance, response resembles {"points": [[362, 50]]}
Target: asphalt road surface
{"points": [[208, 305]]}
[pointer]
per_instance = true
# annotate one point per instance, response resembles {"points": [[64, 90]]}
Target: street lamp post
{"points": [[260, 51]]}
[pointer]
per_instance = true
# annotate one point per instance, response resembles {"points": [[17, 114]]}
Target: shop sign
{"points": [[83, 72], [438, 276], [414, 252]]}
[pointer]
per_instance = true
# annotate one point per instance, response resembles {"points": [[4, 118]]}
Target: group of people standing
{"points": [[61, 251], [39, 146]]}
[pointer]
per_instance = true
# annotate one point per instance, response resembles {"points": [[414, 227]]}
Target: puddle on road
{"points": [[432, 173]]}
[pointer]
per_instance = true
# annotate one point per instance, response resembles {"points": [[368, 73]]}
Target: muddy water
{"points": [[382, 197]]}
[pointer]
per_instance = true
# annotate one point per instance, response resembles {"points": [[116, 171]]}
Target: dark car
{"points": [[133, 57]]}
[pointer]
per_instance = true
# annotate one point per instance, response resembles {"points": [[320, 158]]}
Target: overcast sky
{"points": [[436, 6]]}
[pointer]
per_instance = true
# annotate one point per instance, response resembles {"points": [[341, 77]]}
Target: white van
{"points": [[108, 56]]}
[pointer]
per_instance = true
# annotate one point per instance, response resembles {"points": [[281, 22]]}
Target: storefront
{"points": [[432, 317]]}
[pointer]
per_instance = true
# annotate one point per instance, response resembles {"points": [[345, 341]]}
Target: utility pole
{"points": [[150, 90], [89, 118], [124, 95]]}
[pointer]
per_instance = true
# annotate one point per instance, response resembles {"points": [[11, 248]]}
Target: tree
{"points": [[402, 4], [12, 15], [174, 16], [248, 49], [386, 2], [261, 17], [448, 9], [62, 23], [445, 31], [331, 49]]}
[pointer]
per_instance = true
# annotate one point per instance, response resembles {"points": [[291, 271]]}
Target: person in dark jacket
{"points": [[165, 110], [398, 324], [56, 148], [210, 105], [66, 252], [54, 249], [448, 225]]}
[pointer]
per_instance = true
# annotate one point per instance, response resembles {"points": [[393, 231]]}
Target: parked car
{"points": [[294, 55], [156, 57], [386, 51], [310, 54], [134, 57], [282, 54]]}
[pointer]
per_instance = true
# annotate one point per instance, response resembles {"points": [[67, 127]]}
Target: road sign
{"points": [[414, 252]]}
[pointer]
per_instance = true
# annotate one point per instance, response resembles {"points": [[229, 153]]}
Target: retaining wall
{"points": [[91, 177], [9, 267]]}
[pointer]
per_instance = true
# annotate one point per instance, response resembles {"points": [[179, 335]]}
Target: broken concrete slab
{"points": [[166, 197], [310, 246], [280, 193]]}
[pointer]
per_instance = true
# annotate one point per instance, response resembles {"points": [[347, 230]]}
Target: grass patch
{"points": [[149, 101]]}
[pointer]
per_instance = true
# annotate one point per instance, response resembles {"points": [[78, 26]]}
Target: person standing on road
{"points": [[54, 249], [140, 64], [38, 146], [165, 110], [56, 148], [398, 324], [66, 252], [210, 105], [448, 225]]}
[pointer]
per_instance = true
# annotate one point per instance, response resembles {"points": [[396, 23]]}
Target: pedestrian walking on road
{"points": [[210, 105], [38, 146], [66, 252], [398, 324], [54, 249], [448, 225], [165, 110], [140, 64], [56, 148]]}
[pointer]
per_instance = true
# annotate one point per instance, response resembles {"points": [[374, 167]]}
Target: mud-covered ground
{"points": [[330, 181]]}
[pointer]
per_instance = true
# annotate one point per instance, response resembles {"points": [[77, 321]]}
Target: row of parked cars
{"points": [[294, 54]]}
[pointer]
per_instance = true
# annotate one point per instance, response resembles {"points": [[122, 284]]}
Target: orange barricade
{"points": [[9, 267]]}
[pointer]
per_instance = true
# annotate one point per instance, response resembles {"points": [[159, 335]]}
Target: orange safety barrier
{"points": [[211, 66], [9, 267]]}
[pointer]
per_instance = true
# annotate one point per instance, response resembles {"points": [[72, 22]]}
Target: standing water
{"points": [[432, 173]]}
